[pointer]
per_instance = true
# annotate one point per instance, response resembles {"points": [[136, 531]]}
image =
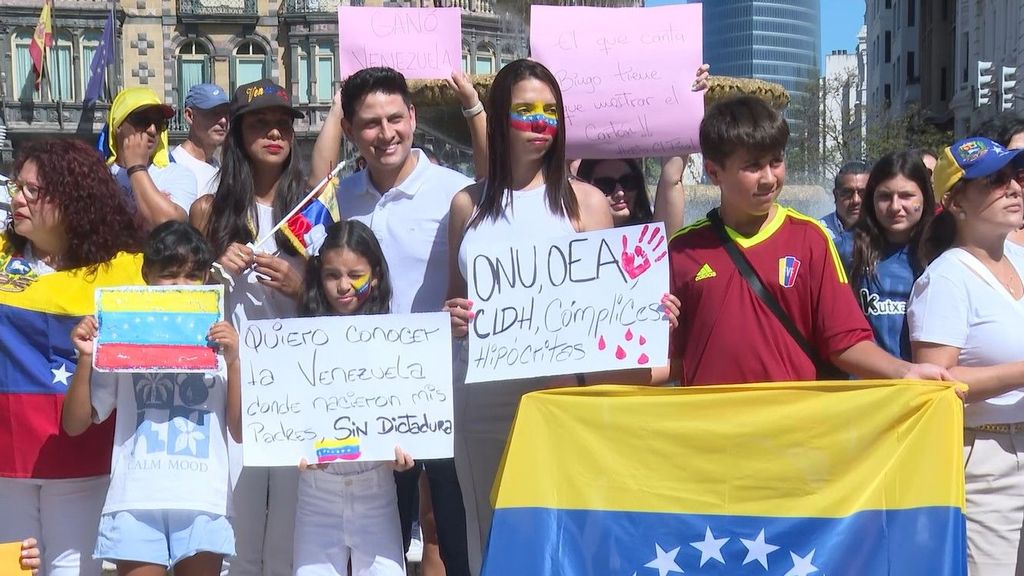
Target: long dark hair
{"points": [[640, 212], [869, 236], [357, 237], [940, 234], [233, 210], [93, 211], [561, 199]]}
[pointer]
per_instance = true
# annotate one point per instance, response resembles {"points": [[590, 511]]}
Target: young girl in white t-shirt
{"points": [[349, 511], [167, 502]]}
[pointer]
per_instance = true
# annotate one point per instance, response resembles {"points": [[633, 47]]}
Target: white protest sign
{"points": [[582, 303], [346, 388], [625, 76]]}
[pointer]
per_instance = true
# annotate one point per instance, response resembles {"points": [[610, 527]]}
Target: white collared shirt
{"points": [[411, 224]]}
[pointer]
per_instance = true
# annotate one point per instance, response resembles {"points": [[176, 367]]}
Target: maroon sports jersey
{"points": [[726, 335]]}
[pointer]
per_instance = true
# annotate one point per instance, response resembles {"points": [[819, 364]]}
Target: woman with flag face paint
{"points": [[69, 230], [260, 182], [526, 164]]}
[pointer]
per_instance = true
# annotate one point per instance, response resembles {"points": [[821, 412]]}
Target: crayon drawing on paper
{"points": [[157, 328]]}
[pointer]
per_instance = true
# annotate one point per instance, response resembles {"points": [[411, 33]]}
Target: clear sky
{"points": [[840, 22]]}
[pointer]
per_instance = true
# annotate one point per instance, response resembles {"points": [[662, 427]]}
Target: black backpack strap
{"points": [[825, 369]]}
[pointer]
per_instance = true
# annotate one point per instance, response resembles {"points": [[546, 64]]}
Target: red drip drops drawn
{"points": [[620, 353], [643, 340], [643, 359], [600, 343], [629, 335]]}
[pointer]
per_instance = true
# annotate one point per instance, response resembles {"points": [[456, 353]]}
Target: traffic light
{"points": [[1007, 80], [985, 84]]}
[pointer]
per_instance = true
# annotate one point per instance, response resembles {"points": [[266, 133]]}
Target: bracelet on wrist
{"points": [[473, 110], [136, 168]]}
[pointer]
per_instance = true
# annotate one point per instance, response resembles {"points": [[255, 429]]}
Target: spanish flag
{"points": [[37, 361], [42, 39], [788, 479], [307, 228]]}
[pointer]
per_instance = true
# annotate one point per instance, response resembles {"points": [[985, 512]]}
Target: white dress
{"points": [[484, 412]]}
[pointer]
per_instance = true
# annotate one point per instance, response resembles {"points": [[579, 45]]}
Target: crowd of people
{"points": [[916, 275]]}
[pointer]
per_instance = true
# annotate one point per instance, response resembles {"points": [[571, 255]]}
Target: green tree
{"points": [[910, 130]]}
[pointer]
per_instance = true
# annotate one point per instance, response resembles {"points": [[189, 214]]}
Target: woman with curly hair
{"points": [[70, 231]]}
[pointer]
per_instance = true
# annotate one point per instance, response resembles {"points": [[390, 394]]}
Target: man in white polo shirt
{"points": [[206, 113], [404, 199]]}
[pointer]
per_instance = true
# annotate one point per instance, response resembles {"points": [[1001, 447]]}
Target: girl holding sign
{"points": [[261, 180], [348, 511], [527, 194]]}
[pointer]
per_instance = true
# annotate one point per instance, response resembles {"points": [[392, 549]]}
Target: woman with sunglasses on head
{"points": [[965, 314], [70, 232], [261, 180], [138, 155], [880, 252]]}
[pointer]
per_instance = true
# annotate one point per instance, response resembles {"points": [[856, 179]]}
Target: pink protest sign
{"points": [[421, 43], [625, 75]]}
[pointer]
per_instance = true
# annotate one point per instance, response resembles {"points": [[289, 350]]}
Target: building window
{"points": [[888, 46], [193, 67], [325, 71], [302, 76], [248, 64], [484, 60], [506, 59], [911, 72], [888, 4], [887, 95], [942, 86], [61, 68], [90, 41], [465, 60], [24, 76], [911, 13]]}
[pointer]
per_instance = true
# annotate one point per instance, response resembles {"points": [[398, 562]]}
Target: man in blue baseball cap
{"points": [[206, 112]]}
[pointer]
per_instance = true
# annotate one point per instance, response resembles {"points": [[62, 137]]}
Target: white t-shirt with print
{"points": [[958, 302], [170, 451]]}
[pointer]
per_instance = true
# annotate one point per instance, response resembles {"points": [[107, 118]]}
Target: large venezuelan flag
{"points": [[37, 361], [306, 228], [157, 328], [858, 478]]}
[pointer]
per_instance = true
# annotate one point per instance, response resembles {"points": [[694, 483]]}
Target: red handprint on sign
{"points": [[637, 261]]}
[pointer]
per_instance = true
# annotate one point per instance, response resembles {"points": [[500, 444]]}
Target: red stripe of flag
{"points": [[152, 356]]}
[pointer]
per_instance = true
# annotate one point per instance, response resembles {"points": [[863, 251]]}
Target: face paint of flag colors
{"points": [[535, 117], [362, 286], [788, 267], [158, 328]]}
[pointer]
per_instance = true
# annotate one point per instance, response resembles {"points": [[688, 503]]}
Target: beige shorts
{"points": [[994, 474]]}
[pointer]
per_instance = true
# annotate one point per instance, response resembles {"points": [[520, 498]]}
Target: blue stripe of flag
{"points": [[547, 542], [167, 328], [35, 351]]}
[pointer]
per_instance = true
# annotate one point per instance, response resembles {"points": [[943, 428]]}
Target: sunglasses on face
{"points": [[146, 119], [847, 193], [628, 182], [1001, 179]]}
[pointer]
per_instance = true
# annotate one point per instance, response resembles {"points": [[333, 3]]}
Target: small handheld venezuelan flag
{"points": [[307, 228], [157, 328], [786, 479]]}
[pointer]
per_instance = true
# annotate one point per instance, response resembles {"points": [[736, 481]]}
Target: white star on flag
{"points": [[665, 562], [61, 374], [758, 550], [710, 548], [802, 566]]}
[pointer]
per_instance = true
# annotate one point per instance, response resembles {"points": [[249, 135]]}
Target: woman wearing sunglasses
{"points": [[965, 314], [158, 189]]}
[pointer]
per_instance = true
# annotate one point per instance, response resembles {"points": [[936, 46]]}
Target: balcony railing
{"points": [[320, 6], [220, 8]]}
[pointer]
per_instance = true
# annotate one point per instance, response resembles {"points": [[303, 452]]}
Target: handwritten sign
{"points": [[10, 559], [581, 303], [625, 75], [157, 328], [421, 43], [346, 388]]}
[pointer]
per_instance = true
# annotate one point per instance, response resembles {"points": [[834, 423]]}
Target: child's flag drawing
{"points": [[157, 328]]}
